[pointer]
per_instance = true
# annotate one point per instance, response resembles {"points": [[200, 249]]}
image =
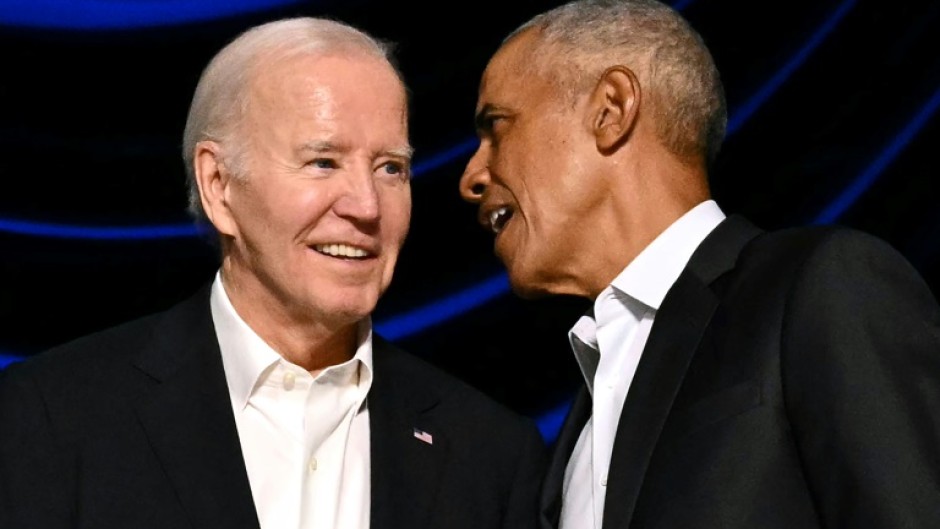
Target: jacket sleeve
{"points": [[36, 485], [861, 377]]}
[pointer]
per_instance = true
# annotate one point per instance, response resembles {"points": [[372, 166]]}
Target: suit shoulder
{"points": [[815, 245], [92, 352], [794, 240], [834, 264], [96, 351]]}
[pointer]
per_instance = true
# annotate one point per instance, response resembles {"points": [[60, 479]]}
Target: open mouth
{"points": [[342, 251], [498, 218]]}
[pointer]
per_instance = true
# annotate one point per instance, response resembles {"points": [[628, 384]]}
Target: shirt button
{"points": [[312, 465], [603, 482], [289, 379]]}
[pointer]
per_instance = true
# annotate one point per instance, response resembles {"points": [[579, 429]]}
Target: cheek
{"points": [[301, 206], [396, 215]]}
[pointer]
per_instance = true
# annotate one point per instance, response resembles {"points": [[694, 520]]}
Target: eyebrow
{"points": [[320, 146], [405, 151]]}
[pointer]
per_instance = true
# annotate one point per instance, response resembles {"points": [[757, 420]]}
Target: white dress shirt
{"points": [[305, 439], [608, 344]]}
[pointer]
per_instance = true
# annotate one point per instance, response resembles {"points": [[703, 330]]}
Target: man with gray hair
{"points": [[267, 399], [734, 378]]}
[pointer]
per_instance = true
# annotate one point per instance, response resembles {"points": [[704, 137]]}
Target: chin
{"points": [[356, 309], [539, 284], [346, 305], [525, 288]]}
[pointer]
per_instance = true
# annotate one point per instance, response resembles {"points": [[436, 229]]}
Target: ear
{"points": [[214, 181], [614, 106]]}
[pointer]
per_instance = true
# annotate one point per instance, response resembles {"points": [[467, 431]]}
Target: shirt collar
{"points": [[645, 281], [247, 358], [652, 273]]}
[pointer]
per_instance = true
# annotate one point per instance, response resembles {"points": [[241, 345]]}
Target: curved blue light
{"points": [[7, 359], [443, 309], [101, 233], [862, 182], [745, 111], [446, 156], [127, 14]]}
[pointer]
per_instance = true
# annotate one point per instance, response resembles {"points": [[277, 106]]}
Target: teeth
{"points": [[496, 217], [340, 250]]}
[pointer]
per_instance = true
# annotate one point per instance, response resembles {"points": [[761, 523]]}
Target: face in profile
{"points": [[317, 221], [532, 175]]}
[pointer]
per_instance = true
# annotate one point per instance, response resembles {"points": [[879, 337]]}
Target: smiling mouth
{"points": [[498, 218], [343, 251]]}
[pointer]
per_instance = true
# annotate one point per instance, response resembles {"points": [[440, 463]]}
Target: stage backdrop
{"points": [[833, 120]]}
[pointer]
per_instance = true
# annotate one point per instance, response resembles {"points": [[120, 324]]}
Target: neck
{"points": [[309, 343], [660, 191]]}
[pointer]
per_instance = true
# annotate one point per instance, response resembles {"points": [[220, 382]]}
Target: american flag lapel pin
{"points": [[423, 436]]}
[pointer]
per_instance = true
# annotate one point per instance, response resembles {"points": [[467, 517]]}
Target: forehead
{"points": [[510, 76], [333, 80]]}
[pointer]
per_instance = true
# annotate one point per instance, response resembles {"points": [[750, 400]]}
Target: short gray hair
{"points": [[580, 39], [221, 96]]}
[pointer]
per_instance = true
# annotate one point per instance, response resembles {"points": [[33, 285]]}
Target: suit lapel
{"points": [[187, 415], [662, 367], [679, 326], [405, 469], [550, 501]]}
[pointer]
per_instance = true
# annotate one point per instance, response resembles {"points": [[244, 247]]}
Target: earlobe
{"points": [[213, 180], [615, 104]]}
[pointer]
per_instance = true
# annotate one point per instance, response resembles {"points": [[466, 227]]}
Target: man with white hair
{"points": [[266, 399]]}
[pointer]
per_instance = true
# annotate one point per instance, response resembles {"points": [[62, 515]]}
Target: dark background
{"points": [[832, 121]]}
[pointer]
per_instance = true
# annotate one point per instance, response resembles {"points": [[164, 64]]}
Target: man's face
{"points": [[323, 208], [532, 176]]}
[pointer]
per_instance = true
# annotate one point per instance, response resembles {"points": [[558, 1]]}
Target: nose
{"points": [[359, 200], [475, 177]]}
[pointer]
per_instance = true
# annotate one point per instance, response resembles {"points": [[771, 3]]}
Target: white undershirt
{"points": [[608, 344], [305, 439]]}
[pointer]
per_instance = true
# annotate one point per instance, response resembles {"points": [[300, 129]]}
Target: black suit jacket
{"points": [[791, 380], [133, 428]]}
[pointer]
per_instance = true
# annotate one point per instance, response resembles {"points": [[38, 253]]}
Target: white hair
{"points": [[222, 93]]}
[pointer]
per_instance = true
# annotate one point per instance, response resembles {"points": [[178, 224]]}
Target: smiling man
{"points": [[266, 399]]}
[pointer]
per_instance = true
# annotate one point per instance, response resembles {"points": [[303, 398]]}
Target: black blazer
{"points": [[133, 428], [791, 380]]}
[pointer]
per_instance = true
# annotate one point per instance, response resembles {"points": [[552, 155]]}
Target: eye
{"points": [[393, 168], [494, 127], [490, 122], [323, 163]]}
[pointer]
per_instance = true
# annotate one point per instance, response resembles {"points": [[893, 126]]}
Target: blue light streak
{"points": [[100, 233], [7, 359], [95, 15], [746, 110], [864, 181], [417, 320], [445, 157]]}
